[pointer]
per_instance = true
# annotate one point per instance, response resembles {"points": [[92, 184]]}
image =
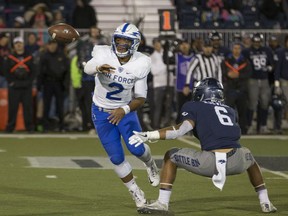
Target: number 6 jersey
{"points": [[113, 90], [215, 124]]}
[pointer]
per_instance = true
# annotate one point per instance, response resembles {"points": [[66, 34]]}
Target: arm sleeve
{"points": [[90, 67]]}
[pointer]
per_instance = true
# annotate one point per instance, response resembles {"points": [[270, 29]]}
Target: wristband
{"points": [[126, 109], [153, 135]]}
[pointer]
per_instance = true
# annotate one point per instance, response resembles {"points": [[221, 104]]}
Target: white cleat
{"points": [[153, 174], [268, 208], [153, 208], [139, 197]]}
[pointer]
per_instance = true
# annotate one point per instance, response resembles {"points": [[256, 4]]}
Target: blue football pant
{"points": [[110, 134]]}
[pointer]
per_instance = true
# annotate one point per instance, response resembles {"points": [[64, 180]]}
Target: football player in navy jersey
{"points": [[261, 59], [214, 124], [281, 77]]}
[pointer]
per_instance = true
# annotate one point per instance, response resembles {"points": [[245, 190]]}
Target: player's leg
{"points": [[253, 92], [257, 181], [126, 127], [265, 96], [168, 176], [111, 140]]}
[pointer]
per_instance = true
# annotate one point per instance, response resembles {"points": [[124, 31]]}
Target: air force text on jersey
{"points": [[120, 79]]}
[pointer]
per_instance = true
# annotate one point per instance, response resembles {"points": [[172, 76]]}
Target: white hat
{"points": [[18, 40], [19, 19]]}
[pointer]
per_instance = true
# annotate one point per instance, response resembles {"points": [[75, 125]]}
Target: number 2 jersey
{"points": [[215, 124], [113, 90]]}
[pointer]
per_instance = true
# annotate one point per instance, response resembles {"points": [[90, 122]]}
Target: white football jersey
{"points": [[113, 90]]}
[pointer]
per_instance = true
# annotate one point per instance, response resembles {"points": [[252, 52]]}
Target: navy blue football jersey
{"points": [[215, 124], [259, 59]]}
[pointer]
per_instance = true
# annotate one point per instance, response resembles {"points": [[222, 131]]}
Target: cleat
{"points": [[139, 197], [154, 208], [153, 174], [268, 208]]}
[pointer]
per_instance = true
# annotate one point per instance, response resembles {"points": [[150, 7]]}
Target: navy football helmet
{"points": [[208, 89], [278, 102], [257, 37]]}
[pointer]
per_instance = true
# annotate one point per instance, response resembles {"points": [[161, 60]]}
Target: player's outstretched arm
{"points": [[171, 132]]}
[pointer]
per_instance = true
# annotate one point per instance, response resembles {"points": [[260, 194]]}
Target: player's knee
{"points": [[169, 153], [117, 159], [137, 151]]}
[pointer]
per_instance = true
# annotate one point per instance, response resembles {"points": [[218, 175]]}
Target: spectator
{"points": [[19, 22], [84, 15], [182, 60], [39, 18], [20, 73], [85, 88], [145, 112], [4, 52], [236, 74], [32, 46], [160, 84], [2, 23], [261, 59], [58, 17], [53, 80], [273, 11], [246, 40], [197, 45]]}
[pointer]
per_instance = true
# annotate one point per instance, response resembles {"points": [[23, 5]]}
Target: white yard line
{"points": [[189, 142]]}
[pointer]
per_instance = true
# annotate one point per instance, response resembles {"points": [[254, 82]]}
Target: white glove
{"points": [[138, 138]]}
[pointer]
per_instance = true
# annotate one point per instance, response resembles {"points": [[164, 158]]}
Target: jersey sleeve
{"points": [[188, 111], [146, 67], [99, 54], [141, 88]]}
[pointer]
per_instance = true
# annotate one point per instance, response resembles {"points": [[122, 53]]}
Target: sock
{"points": [[164, 196], [263, 196], [146, 157], [131, 185]]}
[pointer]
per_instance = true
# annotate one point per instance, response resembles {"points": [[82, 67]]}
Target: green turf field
{"points": [[69, 176]]}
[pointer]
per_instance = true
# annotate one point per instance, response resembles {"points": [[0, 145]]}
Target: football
{"points": [[63, 33]]}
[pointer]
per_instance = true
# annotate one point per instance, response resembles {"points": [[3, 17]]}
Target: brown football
{"points": [[63, 33]]}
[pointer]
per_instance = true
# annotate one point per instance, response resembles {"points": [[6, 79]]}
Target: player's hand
{"points": [[138, 138], [116, 115], [105, 68], [186, 90], [233, 74]]}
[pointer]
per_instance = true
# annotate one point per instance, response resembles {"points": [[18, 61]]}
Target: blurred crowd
{"points": [[47, 78], [251, 14]]}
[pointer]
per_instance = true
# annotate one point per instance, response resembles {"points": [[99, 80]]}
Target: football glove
{"points": [[138, 138]]}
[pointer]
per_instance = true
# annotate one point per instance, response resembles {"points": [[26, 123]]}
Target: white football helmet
{"points": [[130, 32]]}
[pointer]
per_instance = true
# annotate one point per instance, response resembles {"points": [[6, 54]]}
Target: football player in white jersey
{"points": [[120, 89]]}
